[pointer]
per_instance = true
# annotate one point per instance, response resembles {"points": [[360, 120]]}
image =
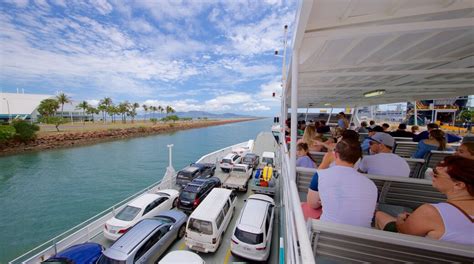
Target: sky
{"points": [[215, 56]]}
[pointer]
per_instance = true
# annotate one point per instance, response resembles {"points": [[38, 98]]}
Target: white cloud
{"points": [[102, 6], [267, 90], [19, 3], [42, 4], [141, 25], [59, 2], [93, 102]]}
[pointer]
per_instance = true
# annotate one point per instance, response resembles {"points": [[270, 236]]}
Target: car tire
{"points": [[175, 203], [181, 231]]}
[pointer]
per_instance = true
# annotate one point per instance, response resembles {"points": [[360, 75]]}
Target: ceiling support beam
{"points": [[382, 73]]}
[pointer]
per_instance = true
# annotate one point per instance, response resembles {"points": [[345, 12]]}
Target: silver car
{"points": [[147, 240]]}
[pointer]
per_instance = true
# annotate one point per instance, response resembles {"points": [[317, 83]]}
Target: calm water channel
{"points": [[43, 194]]}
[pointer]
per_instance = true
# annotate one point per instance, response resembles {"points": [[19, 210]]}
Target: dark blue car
{"points": [[86, 253]]}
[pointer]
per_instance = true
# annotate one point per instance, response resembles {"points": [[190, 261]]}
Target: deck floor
{"points": [[264, 142]]}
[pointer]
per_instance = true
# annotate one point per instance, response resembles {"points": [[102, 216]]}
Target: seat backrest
{"points": [[303, 178], [435, 156], [415, 167], [405, 149], [406, 192], [317, 156], [351, 244], [403, 139]]}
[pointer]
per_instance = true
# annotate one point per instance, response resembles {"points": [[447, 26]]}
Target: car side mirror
{"points": [[171, 227]]}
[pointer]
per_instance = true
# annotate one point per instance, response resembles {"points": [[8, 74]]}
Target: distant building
{"points": [[24, 106]]}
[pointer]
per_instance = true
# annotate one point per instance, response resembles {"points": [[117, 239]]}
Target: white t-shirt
{"points": [[385, 164], [347, 196]]}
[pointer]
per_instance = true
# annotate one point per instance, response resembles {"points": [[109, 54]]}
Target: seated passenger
{"points": [[466, 150], [386, 127], [303, 157], [328, 159], [452, 220], [436, 141], [372, 124], [401, 132], [384, 162], [363, 127], [323, 128], [425, 134], [415, 130], [365, 144], [345, 195]]}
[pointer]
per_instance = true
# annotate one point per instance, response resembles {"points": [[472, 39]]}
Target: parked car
{"points": [[228, 161], [252, 235], [195, 192], [251, 159], [181, 256], [147, 240], [86, 253], [207, 224], [193, 171], [268, 158], [145, 206], [238, 178]]}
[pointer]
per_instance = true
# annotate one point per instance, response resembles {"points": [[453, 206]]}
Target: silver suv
{"points": [[147, 240], [227, 163]]}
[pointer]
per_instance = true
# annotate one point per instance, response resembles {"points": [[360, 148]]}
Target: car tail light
{"points": [[105, 226], [123, 231], [196, 202], [261, 248], [214, 240], [235, 242]]}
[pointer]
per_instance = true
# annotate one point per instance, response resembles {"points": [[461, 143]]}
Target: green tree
{"points": [[24, 131], [48, 107], [6, 133], [62, 99], [145, 108], [92, 111], [123, 110], [169, 110], [133, 110], [54, 120], [161, 109], [84, 105], [103, 107], [153, 109]]}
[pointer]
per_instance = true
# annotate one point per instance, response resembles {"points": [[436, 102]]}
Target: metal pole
{"points": [[294, 109], [170, 151], [329, 118], [306, 116], [416, 115]]}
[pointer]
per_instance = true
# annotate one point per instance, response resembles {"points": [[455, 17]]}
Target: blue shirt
{"points": [[450, 138], [306, 162], [341, 123], [422, 149], [314, 182]]}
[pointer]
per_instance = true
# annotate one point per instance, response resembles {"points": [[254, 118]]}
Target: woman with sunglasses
{"points": [[452, 220]]}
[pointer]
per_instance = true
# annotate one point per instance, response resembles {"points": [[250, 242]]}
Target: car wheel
{"points": [[175, 203], [181, 231]]}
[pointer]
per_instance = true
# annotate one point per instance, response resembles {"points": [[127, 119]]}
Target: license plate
{"points": [[247, 249]]}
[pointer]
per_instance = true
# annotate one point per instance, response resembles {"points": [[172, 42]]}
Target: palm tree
{"points": [[62, 99], [92, 111], [103, 107], [160, 108], [169, 110], [145, 108], [133, 110], [84, 105], [123, 109]]}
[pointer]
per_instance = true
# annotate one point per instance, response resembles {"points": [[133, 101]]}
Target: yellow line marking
{"points": [[182, 246], [227, 256]]}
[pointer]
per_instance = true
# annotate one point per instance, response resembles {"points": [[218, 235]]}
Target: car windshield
{"points": [[165, 219], [248, 159], [267, 160], [128, 213], [226, 161], [188, 196], [105, 260], [184, 175], [200, 226], [247, 237]]}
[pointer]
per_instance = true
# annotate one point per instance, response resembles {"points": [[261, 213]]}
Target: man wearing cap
{"points": [[383, 162]]}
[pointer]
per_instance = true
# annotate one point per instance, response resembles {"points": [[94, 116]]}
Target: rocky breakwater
{"points": [[71, 139]]}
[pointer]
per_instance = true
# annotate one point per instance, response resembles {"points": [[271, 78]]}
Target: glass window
{"points": [[236, 157], [219, 220], [226, 207], [247, 237], [226, 161], [148, 244], [105, 260], [200, 226], [269, 218], [188, 196], [128, 213]]}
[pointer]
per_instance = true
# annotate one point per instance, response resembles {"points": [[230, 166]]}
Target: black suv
{"points": [[195, 192], [193, 171]]}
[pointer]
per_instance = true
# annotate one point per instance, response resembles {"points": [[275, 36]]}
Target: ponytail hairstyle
{"points": [[304, 146], [439, 136]]}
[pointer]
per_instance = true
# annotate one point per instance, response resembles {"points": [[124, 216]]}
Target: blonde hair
{"points": [[309, 134]]}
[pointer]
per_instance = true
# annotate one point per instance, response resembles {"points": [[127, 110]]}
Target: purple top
{"points": [[306, 162], [458, 226]]}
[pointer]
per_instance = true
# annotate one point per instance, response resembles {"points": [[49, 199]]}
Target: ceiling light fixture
{"points": [[374, 93], [327, 104]]}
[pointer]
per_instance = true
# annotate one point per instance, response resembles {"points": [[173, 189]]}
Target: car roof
{"points": [[253, 215], [190, 169], [230, 155], [267, 154], [144, 200], [181, 256], [251, 154], [212, 204], [129, 241]]}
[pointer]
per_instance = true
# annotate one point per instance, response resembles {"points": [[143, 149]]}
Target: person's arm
{"points": [[363, 166], [419, 223], [312, 198], [327, 160]]}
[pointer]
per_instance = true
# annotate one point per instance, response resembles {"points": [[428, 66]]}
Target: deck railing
{"points": [[297, 244]]}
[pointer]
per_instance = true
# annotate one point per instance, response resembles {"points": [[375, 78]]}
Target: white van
{"points": [[268, 158], [207, 224]]}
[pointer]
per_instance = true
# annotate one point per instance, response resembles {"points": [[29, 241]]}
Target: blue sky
{"points": [[193, 55]]}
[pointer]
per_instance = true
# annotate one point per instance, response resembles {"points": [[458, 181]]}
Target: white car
{"points": [[228, 161], [183, 257], [252, 235], [145, 206]]}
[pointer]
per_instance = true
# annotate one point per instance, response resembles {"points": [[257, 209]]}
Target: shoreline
{"points": [[68, 139]]}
